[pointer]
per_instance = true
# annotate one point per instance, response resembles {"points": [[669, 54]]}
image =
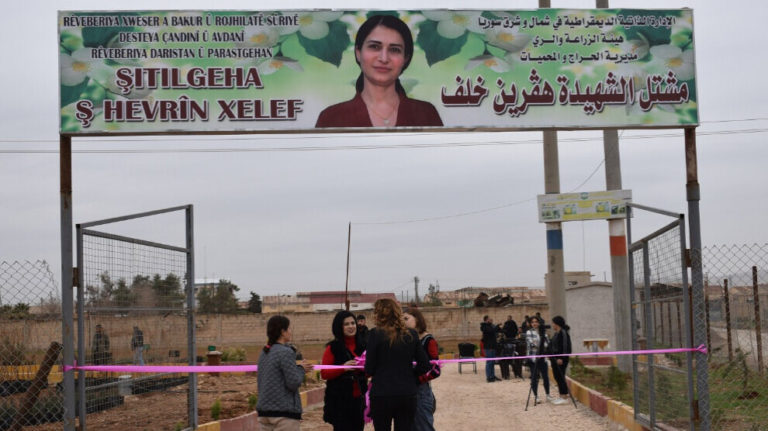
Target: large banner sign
{"points": [[243, 71]]}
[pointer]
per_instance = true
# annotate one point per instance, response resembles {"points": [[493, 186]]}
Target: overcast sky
{"points": [[276, 221]]}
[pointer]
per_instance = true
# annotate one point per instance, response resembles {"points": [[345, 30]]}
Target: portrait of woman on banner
{"points": [[383, 50]]}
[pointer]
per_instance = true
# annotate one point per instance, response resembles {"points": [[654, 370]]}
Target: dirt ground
{"points": [[464, 401]]}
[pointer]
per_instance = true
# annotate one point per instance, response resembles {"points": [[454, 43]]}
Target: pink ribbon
{"points": [[701, 349], [360, 361]]}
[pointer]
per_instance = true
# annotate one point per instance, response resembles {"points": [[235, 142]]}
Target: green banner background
{"points": [[605, 67]]}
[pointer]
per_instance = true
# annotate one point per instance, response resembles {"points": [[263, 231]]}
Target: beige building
{"points": [[465, 297], [321, 301]]}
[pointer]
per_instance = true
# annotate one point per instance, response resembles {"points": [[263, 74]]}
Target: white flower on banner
{"points": [[261, 36], [76, 67], [412, 20], [276, 63], [670, 57], [492, 62], [314, 25], [508, 39], [682, 30], [452, 24], [353, 22], [580, 70], [638, 47]]}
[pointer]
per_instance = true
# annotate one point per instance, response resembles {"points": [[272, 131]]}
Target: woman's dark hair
{"points": [[421, 323], [275, 327], [391, 22], [542, 326], [337, 327], [560, 321]]}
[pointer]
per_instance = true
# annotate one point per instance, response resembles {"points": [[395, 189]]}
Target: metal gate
{"points": [[135, 305], [661, 318]]}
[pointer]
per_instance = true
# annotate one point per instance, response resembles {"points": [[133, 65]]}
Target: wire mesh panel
{"points": [[133, 299], [30, 345], [736, 280], [663, 388]]}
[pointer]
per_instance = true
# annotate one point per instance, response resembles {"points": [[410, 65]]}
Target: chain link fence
{"points": [[662, 383], [30, 343], [133, 299], [736, 284]]}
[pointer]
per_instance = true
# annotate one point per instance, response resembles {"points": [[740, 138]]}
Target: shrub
{"points": [[252, 400], [216, 409], [233, 354], [616, 379], [14, 353]]}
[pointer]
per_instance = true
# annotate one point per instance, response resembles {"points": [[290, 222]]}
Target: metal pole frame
{"points": [[81, 357], [649, 332], [693, 195], [191, 341], [67, 306], [647, 304], [81, 231]]}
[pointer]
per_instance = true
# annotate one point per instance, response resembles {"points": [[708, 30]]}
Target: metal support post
{"points": [[697, 279], [67, 306]]}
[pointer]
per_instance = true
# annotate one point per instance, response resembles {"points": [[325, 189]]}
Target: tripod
{"points": [[535, 369]]}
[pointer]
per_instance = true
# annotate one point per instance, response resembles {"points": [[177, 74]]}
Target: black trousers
{"points": [[351, 416], [539, 370], [401, 409], [559, 372]]}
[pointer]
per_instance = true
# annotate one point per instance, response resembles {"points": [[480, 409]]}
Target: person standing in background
{"points": [[510, 328], [100, 347], [345, 388], [490, 333], [425, 399], [561, 344], [362, 329], [537, 341], [392, 349], [279, 379], [137, 346]]}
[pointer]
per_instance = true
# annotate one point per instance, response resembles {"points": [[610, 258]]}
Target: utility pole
{"points": [[346, 286], [555, 280], [618, 247], [416, 290]]}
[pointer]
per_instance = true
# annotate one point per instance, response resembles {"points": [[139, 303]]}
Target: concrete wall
{"points": [[169, 332], [590, 314]]}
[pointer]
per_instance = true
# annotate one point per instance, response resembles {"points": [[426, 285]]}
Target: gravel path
{"points": [[466, 402]]}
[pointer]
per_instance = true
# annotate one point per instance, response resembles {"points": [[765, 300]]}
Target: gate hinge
{"points": [[75, 277], [688, 257]]}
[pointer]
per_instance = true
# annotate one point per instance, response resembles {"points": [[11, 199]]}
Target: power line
{"points": [[231, 138], [485, 210], [361, 147]]}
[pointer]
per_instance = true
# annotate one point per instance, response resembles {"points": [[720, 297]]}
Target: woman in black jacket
{"points": [[392, 348], [561, 344], [345, 388]]}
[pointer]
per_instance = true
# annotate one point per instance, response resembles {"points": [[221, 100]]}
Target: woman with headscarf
{"points": [[561, 344], [392, 349], [345, 388], [383, 50]]}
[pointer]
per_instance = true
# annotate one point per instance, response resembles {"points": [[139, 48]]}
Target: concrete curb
{"points": [[309, 399], [621, 415]]}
